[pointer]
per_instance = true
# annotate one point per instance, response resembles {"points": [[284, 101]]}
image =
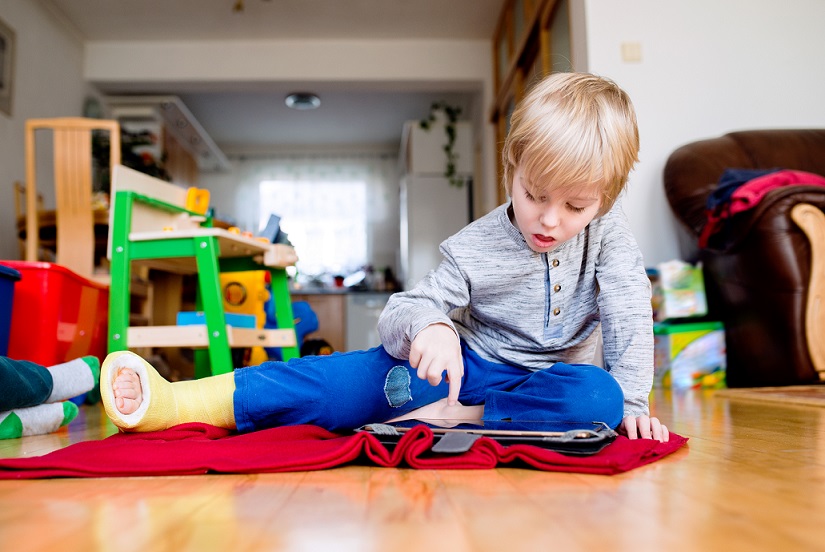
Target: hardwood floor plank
{"points": [[499, 516]]}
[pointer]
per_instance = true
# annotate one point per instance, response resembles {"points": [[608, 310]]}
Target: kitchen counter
{"points": [[335, 291], [347, 318]]}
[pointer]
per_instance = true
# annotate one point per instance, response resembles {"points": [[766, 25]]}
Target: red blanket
{"points": [[191, 449]]}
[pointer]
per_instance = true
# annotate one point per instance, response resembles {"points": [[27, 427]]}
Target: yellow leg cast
{"points": [[166, 404]]}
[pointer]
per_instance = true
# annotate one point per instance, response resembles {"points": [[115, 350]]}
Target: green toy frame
{"points": [[206, 251]]}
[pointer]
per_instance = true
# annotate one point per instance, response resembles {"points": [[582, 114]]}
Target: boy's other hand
{"points": [[434, 350], [644, 427]]}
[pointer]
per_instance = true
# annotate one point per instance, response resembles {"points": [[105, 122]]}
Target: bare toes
{"points": [[127, 391]]}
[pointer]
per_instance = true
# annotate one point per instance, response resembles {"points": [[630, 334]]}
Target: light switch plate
{"points": [[632, 52]]}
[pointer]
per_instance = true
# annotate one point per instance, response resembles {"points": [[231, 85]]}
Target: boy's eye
{"points": [[531, 197], [575, 209]]}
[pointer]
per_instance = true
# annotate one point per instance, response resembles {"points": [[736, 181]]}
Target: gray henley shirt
{"points": [[514, 306]]}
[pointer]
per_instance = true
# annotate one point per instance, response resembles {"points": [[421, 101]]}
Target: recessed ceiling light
{"points": [[302, 100]]}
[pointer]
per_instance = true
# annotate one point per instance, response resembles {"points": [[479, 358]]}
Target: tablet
{"points": [[457, 436]]}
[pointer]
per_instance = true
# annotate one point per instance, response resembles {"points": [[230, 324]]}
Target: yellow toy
{"points": [[197, 200], [246, 293]]}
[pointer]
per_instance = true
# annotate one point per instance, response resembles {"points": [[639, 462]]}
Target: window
{"points": [[326, 221]]}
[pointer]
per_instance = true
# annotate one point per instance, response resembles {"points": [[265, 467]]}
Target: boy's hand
{"points": [[644, 427], [434, 350]]}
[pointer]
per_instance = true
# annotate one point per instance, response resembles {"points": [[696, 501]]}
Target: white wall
{"points": [[48, 82], [708, 67]]}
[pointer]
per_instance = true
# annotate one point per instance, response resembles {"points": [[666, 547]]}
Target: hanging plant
{"points": [[451, 112]]}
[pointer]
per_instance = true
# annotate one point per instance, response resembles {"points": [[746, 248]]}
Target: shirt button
{"points": [[557, 288], [556, 311], [555, 262]]}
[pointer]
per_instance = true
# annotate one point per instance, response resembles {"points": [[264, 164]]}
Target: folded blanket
{"points": [[195, 448]]}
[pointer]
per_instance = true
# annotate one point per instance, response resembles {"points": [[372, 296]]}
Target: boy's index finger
{"points": [[455, 389]]}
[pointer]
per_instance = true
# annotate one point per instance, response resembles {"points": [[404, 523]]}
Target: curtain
{"points": [[325, 189]]}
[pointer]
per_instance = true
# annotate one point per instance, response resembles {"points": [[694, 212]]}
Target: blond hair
{"points": [[573, 131]]}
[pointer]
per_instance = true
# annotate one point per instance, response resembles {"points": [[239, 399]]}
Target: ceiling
{"points": [[244, 117]]}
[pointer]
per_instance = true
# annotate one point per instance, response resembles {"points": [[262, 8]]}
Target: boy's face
{"points": [[552, 218]]}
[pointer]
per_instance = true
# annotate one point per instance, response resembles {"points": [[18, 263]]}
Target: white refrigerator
{"points": [[431, 208]]}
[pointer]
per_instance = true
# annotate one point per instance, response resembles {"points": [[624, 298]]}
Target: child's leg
{"points": [[579, 393], [74, 378], [345, 390], [563, 392], [137, 398], [338, 392], [36, 420], [26, 384], [23, 384]]}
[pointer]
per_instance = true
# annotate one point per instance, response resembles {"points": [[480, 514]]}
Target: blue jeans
{"points": [[343, 391]]}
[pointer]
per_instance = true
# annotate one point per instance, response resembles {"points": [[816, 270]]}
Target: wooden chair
{"points": [[74, 219], [20, 214], [151, 226]]}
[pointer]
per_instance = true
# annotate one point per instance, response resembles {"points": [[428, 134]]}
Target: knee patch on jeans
{"points": [[397, 386]]}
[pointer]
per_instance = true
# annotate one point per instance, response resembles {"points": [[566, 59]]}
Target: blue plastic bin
{"points": [[8, 277]]}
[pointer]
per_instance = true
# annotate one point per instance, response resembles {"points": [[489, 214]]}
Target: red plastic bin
{"points": [[57, 315]]}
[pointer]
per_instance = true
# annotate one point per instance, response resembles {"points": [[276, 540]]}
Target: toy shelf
{"points": [[229, 245], [197, 336]]}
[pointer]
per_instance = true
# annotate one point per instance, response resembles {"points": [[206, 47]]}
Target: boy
{"points": [[512, 316]]}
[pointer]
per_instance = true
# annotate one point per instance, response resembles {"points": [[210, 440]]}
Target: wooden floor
{"points": [[751, 478]]}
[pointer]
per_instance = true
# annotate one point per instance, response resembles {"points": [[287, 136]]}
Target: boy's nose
{"points": [[549, 217]]}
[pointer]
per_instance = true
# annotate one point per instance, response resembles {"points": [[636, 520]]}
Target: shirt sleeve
{"points": [[430, 302], [626, 313]]}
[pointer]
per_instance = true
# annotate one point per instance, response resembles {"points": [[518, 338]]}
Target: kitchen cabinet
{"points": [[346, 320], [331, 310], [363, 310]]}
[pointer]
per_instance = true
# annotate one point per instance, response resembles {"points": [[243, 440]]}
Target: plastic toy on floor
{"points": [[35, 400], [306, 322]]}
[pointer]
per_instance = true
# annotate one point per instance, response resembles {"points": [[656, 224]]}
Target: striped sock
{"points": [[36, 420], [74, 378]]}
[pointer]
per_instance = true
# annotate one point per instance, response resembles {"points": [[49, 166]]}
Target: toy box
{"points": [[689, 355], [188, 318], [8, 277], [678, 291], [57, 315]]}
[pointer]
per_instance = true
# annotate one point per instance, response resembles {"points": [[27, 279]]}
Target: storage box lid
{"points": [[666, 328], [45, 270], [9, 273]]}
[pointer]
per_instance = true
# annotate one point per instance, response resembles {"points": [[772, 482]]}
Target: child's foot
{"points": [[137, 398], [441, 410], [36, 420], [126, 388], [73, 378], [127, 391]]}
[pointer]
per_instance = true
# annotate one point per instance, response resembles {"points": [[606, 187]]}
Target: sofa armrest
{"points": [[812, 222], [691, 174]]}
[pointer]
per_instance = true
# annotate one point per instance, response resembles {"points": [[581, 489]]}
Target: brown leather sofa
{"points": [[759, 279]]}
